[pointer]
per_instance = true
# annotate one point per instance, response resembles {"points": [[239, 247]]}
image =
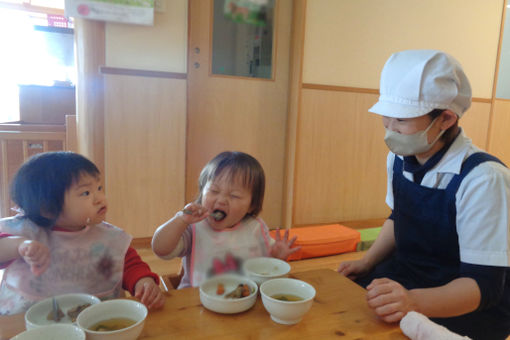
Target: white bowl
{"points": [[119, 308], [37, 314], [52, 332], [261, 269], [287, 312], [220, 303]]}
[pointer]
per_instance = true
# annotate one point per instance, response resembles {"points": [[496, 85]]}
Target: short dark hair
{"points": [[40, 184], [451, 132], [235, 163]]}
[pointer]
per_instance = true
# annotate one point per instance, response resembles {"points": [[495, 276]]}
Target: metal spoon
{"points": [[217, 214], [57, 312]]}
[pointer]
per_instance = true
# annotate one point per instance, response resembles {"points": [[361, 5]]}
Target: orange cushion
{"points": [[322, 240]]}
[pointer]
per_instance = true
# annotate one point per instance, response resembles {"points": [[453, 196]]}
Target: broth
{"points": [[287, 297], [112, 324]]}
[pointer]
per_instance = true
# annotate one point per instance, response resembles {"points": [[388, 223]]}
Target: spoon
{"points": [[57, 312], [217, 214]]}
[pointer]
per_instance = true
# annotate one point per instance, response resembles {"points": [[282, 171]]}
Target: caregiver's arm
{"points": [[391, 301], [457, 297], [382, 247]]}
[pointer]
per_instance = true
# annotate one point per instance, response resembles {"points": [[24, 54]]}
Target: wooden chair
{"points": [[171, 281]]}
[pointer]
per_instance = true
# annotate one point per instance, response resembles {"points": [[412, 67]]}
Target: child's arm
{"points": [[167, 236], [141, 282], [34, 253]]}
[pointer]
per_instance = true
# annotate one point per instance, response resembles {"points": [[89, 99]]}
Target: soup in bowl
{"points": [[287, 300], [119, 319]]}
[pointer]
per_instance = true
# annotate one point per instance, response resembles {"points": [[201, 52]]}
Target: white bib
{"points": [[87, 261]]}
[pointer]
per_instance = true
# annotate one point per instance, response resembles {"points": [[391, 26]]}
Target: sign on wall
{"points": [[139, 12]]}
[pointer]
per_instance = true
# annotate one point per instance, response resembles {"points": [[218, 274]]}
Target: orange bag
{"points": [[322, 240]]}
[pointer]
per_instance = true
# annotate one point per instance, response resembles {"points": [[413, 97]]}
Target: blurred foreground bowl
{"points": [[52, 332]]}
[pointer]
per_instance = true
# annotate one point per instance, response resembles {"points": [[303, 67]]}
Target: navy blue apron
{"points": [[427, 248]]}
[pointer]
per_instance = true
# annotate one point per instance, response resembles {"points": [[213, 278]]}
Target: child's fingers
{"points": [[293, 250], [286, 235], [158, 302], [292, 240], [151, 295], [277, 235]]}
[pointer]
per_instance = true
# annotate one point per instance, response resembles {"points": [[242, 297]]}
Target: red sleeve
{"points": [[5, 264], [134, 270]]}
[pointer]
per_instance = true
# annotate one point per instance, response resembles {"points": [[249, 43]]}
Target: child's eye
{"points": [[100, 188], [85, 193], [235, 196]]}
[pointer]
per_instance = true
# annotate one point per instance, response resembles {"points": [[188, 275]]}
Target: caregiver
{"points": [[445, 249]]}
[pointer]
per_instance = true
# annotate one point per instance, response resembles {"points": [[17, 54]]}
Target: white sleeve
{"points": [[483, 208], [389, 171]]}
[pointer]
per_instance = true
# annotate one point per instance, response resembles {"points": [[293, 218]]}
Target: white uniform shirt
{"points": [[482, 203]]}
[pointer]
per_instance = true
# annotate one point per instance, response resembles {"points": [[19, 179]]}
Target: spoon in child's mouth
{"points": [[216, 214]]}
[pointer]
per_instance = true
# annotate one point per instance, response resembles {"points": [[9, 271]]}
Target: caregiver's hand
{"points": [[389, 299], [354, 269]]}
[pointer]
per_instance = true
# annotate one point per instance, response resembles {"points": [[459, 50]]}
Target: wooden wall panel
{"points": [[145, 127], [340, 160], [238, 113], [499, 141], [475, 123]]}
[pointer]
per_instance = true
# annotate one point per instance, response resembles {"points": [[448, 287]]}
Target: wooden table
{"points": [[339, 311]]}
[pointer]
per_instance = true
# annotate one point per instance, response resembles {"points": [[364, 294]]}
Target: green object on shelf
{"points": [[368, 237]]}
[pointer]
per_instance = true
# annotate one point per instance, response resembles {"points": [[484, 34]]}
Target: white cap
{"points": [[415, 82]]}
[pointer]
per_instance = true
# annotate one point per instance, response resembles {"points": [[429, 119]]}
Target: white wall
{"points": [[348, 41], [161, 47]]}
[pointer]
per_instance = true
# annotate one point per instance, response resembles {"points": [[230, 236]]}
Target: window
{"points": [[37, 49]]}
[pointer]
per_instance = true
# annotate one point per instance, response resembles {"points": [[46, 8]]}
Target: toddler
{"points": [[220, 229], [59, 242]]}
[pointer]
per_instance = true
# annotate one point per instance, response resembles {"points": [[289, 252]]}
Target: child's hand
{"points": [[193, 213], [149, 293], [282, 248], [35, 254]]}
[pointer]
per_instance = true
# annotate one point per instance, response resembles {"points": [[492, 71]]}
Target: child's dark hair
{"points": [[39, 186], [235, 163]]}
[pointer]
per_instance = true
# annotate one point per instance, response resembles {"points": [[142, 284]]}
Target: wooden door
{"points": [[237, 113]]}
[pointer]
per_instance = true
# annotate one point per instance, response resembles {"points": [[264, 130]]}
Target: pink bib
{"points": [[216, 252]]}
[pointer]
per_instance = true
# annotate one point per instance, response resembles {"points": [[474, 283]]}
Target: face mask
{"points": [[408, 145]]}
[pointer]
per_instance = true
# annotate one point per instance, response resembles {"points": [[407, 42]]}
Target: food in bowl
{"points": [[261, 269], [112, 324], [287, 297], [70, 305], [242, 290], [104, 313], [287, 300], [237, 293]]}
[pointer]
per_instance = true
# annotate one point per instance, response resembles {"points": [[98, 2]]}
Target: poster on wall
{"points": [[140, 12]]}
